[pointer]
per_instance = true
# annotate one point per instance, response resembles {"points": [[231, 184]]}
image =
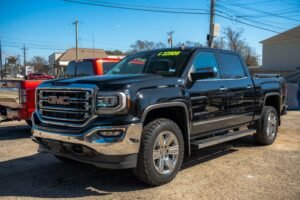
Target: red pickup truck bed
{"points": [[17, 99]]}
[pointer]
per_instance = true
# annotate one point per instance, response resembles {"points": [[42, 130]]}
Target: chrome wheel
{"points": [[272, 125], [165, 152]]}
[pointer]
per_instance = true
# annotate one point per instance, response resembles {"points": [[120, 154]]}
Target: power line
{"points": [[31, 44], [257, 10], [156, 7], [7, 38], [43, 45], [251, 20], [33, 47], [173, 12], [137, 9], [245, 23]]}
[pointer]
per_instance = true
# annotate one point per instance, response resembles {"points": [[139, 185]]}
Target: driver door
{"points": [[209, 96]]}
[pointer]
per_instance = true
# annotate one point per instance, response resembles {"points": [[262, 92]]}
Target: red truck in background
{"points": [[89, 67], [17, 97]]}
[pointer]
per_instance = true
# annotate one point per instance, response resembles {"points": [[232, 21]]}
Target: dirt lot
{"points": [[235, 170]]}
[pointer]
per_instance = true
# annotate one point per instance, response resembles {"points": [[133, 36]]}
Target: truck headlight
{"points": [[111, 102]]}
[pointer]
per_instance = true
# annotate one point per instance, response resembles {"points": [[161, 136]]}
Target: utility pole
{"points": [[93, 47], [19, 64], [210, 37], [76, 38], [222, 43], [170, 39], [24, 54], [0, 56], [1, 69]]}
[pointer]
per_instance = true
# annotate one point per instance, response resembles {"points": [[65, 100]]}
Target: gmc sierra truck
{"points": [[155, 107], [17, 97]]}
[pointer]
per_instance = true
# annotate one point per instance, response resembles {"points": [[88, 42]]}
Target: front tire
{"points": [[267, 127], [65, 159], [161, 152]]}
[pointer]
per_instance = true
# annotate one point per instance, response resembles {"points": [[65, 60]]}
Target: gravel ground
{"points": [[234, 170]]}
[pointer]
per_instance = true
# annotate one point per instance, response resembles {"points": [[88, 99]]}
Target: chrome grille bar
{"points": [[76, 106], [63, 109]]}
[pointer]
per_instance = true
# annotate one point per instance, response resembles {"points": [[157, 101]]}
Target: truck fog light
{"points": [[110, 133]]}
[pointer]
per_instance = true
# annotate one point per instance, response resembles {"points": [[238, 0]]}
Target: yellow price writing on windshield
{"points": [[169, 53]]}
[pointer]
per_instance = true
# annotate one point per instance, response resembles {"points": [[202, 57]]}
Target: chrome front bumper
{"points": [[128, 144]]}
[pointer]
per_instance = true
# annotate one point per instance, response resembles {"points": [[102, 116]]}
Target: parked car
{"points": [[17, 97], [19, 76], [39, 76], [154, 108]]}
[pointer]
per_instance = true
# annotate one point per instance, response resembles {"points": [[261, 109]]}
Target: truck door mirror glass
{"points": [[204, 73]]}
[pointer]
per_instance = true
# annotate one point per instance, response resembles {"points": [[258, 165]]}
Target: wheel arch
{"points": [[173, 111], [273, 99]]}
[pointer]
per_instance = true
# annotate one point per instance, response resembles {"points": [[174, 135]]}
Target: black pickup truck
{"points": [[155, 107]]}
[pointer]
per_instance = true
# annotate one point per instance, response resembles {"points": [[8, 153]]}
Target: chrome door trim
{"points": [[220, 119]]}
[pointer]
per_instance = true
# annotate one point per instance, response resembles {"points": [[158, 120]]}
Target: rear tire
{"points": [[267, 126], [161, 152]]}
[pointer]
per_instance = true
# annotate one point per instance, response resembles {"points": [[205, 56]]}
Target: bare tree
{"points": [[160, 45], [115, 52], [39, 63], [143, 45], [251, 58], [233, 41]]}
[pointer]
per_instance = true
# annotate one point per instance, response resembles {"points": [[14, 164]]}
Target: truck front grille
{"points": [[74, 106]]}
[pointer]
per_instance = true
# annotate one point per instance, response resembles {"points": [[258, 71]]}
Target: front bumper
{"points": [[91, 148]]}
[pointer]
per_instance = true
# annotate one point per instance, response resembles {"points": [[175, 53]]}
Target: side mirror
{"points": [[204, 73]]}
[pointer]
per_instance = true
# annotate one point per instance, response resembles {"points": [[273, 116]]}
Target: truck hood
{"points": [[118, 82]]}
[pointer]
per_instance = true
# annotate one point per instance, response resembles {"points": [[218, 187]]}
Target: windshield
{"points": [[164, 62]]}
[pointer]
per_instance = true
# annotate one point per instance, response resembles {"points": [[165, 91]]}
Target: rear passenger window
{"points": [[107, 66], [232, 66], [85, 69]]}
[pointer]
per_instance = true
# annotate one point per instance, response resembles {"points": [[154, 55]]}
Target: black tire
{"points": [[263, 136], [146, 170], [29, 122], [65, 159]]}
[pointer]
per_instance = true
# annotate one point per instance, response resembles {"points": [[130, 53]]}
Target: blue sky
{"points": [[45, 26]]}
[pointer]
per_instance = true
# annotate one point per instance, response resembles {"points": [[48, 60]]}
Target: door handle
{"points": [[223, 89], [249, 87]]}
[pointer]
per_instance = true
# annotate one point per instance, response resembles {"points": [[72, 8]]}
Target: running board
{"points": [[199, 144]]}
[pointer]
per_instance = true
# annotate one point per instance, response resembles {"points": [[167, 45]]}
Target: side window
{"points": [[107, 66], [70, 71], [232, 66], [204, 60], [85, 69]]}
